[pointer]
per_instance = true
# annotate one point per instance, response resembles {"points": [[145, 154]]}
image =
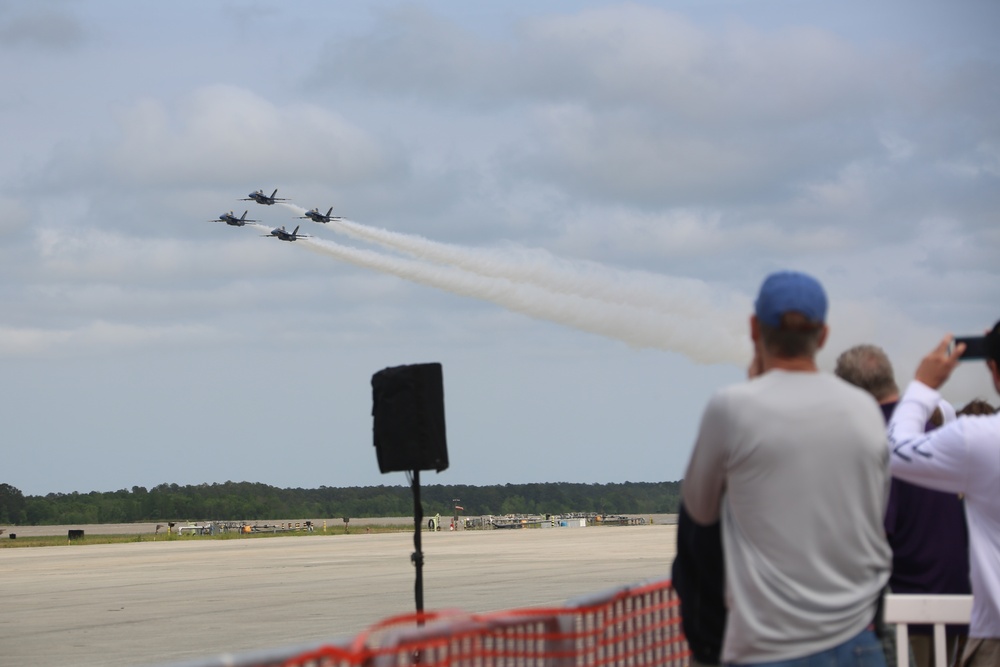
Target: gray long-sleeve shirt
{"points": [[795, 463]]}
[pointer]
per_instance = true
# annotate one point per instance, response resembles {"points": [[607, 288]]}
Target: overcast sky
{"points": [[570, 205]]}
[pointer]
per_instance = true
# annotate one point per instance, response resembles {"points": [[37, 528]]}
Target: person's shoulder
{"points": [[856, 401], [987, 425], [856, 395], [738, 390], [725, 400], [846, 389], [976, 437]]}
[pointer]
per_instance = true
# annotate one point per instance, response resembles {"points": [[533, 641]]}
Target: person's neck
{"points": [[891, 398], [795, 364]]}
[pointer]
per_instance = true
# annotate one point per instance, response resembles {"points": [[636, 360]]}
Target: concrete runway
{"points": [[150, 603]]}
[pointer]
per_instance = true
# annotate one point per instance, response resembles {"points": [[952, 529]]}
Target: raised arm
{"points": [[938, 459]]}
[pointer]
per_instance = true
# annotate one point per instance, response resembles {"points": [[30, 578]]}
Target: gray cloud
{"points": [[636, 104], [621, 55], [42, 30], [219, 135]]}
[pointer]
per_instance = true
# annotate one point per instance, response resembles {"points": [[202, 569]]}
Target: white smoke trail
{"points": [[664, 294], [701, 337]]}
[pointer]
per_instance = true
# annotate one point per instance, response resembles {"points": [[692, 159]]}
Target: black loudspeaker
{"points": [[408, 412]]}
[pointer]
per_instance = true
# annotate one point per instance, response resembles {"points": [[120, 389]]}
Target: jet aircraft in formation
{"points": [[285, 235], [231, 219], [261, 198], [316, 216], [279, 233]]}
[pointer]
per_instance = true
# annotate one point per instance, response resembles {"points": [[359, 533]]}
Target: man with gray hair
{"points": [[926, 528], [868, 367]]}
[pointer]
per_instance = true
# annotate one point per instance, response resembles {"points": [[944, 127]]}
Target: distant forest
{"points": [[238, 501]]}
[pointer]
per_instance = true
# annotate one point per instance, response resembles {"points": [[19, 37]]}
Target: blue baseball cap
{"points": [[787, 292]]}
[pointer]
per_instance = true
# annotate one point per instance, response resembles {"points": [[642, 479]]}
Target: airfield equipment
{"points": [[409, 435]]}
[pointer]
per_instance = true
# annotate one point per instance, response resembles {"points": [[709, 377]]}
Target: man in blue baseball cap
{"points": [[790, 312], [794, 463]]}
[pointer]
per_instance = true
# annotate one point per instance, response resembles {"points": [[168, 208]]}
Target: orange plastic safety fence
{"points": [[633, 628]]}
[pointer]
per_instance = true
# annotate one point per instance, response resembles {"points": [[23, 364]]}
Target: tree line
{"points": [[239, 501]]}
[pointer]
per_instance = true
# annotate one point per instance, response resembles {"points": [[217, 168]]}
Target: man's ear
{"points": [[754, 329], [822, 337]]}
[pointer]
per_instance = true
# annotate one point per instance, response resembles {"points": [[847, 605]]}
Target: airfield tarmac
{"points": [[150, 603]]}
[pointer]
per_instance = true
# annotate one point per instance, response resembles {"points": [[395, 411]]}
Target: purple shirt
{"points": [[929, 540]]}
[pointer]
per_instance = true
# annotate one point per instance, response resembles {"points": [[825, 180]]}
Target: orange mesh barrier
{"points": [[629, 628]]}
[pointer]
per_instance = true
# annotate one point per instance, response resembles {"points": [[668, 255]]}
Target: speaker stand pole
{"points": [[418, 555]]}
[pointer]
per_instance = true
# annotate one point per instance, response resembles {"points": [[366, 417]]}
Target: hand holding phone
{"points": [[975, 347]]}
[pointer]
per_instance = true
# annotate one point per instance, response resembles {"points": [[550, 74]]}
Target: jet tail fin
{"points": [[296, 230], [329, 212], [274, 193]]}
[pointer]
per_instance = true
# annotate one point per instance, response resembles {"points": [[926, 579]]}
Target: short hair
{"points": [[977, 406], [868, 367], [795, 337]]}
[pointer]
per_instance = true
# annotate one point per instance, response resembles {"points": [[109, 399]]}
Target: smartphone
{"points": [[975, 347]]}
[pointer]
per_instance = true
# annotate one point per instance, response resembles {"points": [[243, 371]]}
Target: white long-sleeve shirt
{"points": [[962, 456]]}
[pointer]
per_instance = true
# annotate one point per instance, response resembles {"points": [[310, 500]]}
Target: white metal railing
{"points": [[936, 610]]}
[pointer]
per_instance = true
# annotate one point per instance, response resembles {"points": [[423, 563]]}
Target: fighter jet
{"points": [[316, 216], [231, 219], [261, 198], [285, 235]]}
